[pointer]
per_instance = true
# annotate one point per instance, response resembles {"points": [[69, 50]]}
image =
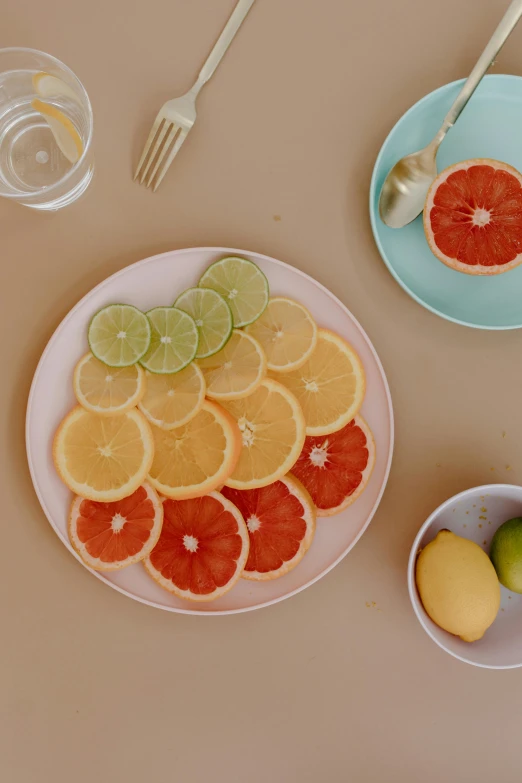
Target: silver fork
{"points": [[176, 117]]}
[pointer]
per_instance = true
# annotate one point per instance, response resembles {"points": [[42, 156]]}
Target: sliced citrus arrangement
{"points": [[173, 342], [196, 458], [103, 458], [119, 335], [329, 386], [173, 400], [336, 468], [212, 315], [107, 390], [236, 370], [242, 284], [64, 131], [280, 520], [287, 333], [202, 549], [272, 429], [473, 217], [110, 536]]}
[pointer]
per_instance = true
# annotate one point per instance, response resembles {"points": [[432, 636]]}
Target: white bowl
{"points": [[475, 514]]}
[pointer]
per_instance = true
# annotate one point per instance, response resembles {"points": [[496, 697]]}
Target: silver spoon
{"points": [[405, 188]]}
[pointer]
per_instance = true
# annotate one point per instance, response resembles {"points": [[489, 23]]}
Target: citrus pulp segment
{"points": [[242, 284], [202, 549], [173, 343], [119, 335], [110, 536], [198, 457]]}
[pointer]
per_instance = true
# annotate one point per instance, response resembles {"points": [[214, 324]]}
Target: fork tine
{"points": [[165, 148], [157, 146], [175, 149], [157, 122]]}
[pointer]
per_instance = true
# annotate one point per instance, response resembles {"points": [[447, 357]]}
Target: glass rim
{"points": [[85, 96]]}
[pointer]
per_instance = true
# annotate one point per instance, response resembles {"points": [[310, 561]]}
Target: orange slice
{"points": [[280, 520], [103, 458], [236, 370], [174, 399], [110, 536], [286, 332], [329, 386], [272, 431], [195, 459], [64, 132], [107, 390], [202, 549]]}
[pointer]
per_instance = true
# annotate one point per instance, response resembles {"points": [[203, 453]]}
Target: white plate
{"points": [[158, 281]]}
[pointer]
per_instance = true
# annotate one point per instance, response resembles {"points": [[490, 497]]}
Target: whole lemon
{"points": [[458, 585]]}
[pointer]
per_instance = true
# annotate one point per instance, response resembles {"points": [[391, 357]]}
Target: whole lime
{"points": [[506, 554]]}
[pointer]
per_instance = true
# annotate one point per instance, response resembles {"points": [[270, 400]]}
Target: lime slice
{"points": [[212, 315], [174, 340], [65, 134], [242, 284], [119, 335]]}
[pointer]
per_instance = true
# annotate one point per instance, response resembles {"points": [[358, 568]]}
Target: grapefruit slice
{"points": [[336, 469], [103, 458], [272, 435], [109, 536], [202, 549], [198, 457], [329, 386], [280, 520], [473, 217]]}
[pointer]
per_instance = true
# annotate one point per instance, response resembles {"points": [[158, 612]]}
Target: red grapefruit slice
{"points": [[109, 536], [335, 469], [281, 524], [473, 217], [202, 549]]}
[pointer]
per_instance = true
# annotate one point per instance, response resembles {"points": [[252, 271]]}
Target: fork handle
{"points": [[223, 42]]}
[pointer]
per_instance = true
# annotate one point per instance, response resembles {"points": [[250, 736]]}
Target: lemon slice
{"points": [[212, 315], [173, 400], [272, 429], [107, 390], [119, 335], [104, 458], [65, 134], [287, 333], [329, 386], [235, 371], [174, 340], [242, 284], [48, 86]]}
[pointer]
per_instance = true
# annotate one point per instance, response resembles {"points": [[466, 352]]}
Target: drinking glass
{"points": [[46, 125]]}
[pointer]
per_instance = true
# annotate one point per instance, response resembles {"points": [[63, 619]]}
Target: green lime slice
{"points": [[212, 315], [119, 335], [242, 284], [173, 343]]}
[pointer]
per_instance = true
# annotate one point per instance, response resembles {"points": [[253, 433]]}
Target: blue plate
{"points": [[489, 127]]}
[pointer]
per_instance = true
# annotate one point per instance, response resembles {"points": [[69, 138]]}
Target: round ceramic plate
{"points": [[489, 127], [159, 281]]}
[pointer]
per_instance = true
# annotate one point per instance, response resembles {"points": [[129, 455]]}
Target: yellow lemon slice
{"points": [[236, 370], [65, 134], [329, 386], [103, 458], [48, 86], [107, 390], [287, 334], [174, 399], [272, 429]]}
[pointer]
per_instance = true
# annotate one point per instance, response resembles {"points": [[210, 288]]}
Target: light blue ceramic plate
{"points": [[489, 127]]}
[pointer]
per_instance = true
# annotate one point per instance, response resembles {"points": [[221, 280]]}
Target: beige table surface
{"points": [[96, 687]]}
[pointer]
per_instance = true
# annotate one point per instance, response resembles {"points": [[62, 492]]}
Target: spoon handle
{"points": [[494, 45]]}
